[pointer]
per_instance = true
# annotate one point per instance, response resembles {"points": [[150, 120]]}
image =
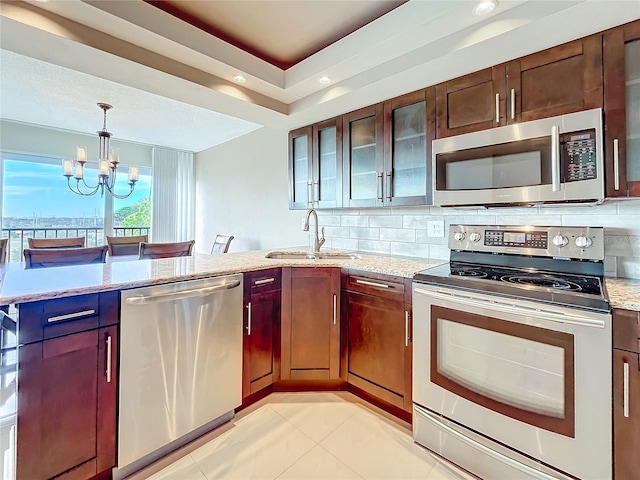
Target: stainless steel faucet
{"points": [[318, 242]]}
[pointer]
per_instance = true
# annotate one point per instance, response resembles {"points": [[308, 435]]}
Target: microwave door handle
{"points": [[616, 166], [555, 158], [497, 108]]}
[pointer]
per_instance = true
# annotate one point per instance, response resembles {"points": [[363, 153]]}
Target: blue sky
{"points": [[37, 188]]}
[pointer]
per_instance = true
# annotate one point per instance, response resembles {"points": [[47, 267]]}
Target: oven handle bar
{"points": [[532, 472], [542, 314]]}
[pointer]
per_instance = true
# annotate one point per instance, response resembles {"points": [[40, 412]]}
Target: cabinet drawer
{"points": [[265, 280], [62, 316], [380, 285], [626, 330]]}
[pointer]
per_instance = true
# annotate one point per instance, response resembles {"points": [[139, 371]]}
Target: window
{"points": [[36, 202]]}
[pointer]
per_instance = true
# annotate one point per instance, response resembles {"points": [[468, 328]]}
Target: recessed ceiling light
{"points": [[485, 6], [324, 80], [239, 78]]}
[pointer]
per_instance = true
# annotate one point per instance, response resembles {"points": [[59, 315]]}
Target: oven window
{"points": [[521, 371], [515, 164]]}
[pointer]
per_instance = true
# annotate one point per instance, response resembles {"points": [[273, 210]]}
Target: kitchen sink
{"points": [[312, 256]]}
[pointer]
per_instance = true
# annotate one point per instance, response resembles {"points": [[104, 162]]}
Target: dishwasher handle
{"points": [[180, 295]]}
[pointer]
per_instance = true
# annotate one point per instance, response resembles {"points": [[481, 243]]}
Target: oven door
{"points": [[535, 378]]}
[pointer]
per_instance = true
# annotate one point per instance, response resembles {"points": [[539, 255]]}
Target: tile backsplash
{"points": [[403, 230]]}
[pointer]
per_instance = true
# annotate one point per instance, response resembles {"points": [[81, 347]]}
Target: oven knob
{"points": [[583, 242], [474, 237], [459, 236], [560, 240]]}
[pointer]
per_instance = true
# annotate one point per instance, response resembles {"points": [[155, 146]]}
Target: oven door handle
{"points": [[532, 312], [526, 469]]}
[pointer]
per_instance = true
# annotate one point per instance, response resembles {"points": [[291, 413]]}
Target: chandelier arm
{"points": [[121, 197], [89, 186], [77, 190]]}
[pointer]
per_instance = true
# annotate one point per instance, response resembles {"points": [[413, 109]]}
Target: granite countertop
{"points": [[18, 285]]}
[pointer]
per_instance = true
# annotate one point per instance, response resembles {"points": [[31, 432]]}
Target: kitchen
{"points": [[403, 231]]}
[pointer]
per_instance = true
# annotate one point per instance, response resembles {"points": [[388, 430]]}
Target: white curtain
{"points": [[172, 196]]}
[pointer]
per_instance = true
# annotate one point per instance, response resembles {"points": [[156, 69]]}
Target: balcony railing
{"points": [[94, 236]]}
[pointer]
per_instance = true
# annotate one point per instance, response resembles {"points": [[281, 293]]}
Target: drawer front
{"points": [[265, 280], [626, 330], [380, 285], [62, 316]]}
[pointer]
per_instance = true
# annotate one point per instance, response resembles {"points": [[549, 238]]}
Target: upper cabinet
{"points": [[300, 179], [562, 79], [386, 150], [621, 57]]}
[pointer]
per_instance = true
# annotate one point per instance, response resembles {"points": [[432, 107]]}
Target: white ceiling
{"points": [[170, 83]]}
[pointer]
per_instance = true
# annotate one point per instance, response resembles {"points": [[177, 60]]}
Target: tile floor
{"points": [[323, 436]]}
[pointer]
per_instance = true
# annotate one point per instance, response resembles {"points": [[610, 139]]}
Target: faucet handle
{"points": [[321, 240]]}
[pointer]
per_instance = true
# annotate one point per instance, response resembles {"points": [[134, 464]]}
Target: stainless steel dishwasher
{"points": [[180, 365]]}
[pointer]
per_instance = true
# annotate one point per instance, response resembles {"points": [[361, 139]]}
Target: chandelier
{"points": [[108, 161]]}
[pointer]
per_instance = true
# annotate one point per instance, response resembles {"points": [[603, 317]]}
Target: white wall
{"points": [[242, 190], [24, 138]]}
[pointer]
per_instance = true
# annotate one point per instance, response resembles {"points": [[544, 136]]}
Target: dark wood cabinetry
{"points": [[67, 387], [379, 344], [310, 324], [562, 79], [621, 57], [261, 357], [626, 394]]}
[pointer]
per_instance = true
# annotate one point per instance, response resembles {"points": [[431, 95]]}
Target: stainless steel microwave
{"points": [[552, 160]]}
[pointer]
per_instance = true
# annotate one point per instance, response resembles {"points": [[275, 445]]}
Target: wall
{"points": [[24, 138], [242, 190], [403, 231]]}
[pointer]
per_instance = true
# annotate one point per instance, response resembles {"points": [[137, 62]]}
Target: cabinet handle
{"points": [[108, 371], [497, 108], [513, 104], [69, 316], [265, 281], [625, 389], [316, 194], [406, 328], [309, 194], [555, 158], [389, 194], [379, 188], [372, 284], [335, 308], [616, 165], [249, 319]]}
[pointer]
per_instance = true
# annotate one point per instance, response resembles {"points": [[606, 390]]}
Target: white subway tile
{"points": [[415, 221], [550, 220], [438, 252], [398, 234], [622, 245], [410, 249], [326, 220], [386, 211], [422, 237], [355, 221], [374, 246], [628, 267], [337, 232], [344, 243], [365, 233], [390, 221], [564, 209]]}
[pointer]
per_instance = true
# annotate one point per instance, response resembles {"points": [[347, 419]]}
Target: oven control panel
{"points": [[586, 243]]}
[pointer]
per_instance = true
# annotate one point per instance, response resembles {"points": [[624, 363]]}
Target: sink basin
{"points": [[291, 255], [312, 256]]}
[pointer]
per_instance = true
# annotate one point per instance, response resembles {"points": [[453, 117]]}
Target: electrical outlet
{"points": [[435, 228]]}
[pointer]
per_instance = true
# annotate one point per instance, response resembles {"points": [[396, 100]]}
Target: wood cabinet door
{"points": [[409, 128], [472, 102], [310, 324], [66, 407], [300, 178], [626, 414], [327, 164], [562, 79], [621, 59], [362, 158]]}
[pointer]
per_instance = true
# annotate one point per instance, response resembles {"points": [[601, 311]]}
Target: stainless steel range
{"points": [[512, 353]]}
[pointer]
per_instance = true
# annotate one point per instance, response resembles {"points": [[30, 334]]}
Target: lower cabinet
{"points": [[626, 394], [378, 314], [310, 323], [261, 357], [67, 405]]}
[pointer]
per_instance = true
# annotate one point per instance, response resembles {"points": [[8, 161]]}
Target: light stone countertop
{"points": [[623, 293], [18, 285]]}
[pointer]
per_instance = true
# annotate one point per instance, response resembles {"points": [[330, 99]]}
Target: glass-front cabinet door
{"points": [[409, 127], [621, 57], [300, 178], [363, 142], [327, 164]]}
